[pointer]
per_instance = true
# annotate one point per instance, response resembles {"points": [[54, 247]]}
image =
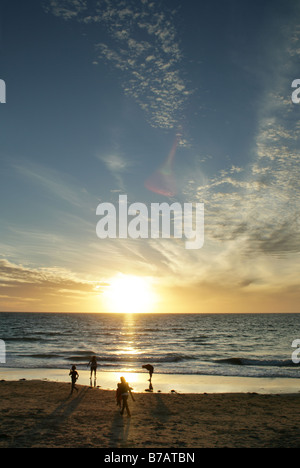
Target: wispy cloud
{"points": [[257, 204], [117, 165], [58, 217]]}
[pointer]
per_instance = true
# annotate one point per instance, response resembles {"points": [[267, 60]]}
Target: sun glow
{"points": [[129, 294]]}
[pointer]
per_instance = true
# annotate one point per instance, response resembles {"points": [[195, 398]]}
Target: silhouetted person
{"points": [[123, 391], [150, 369], [93, 364], [74, 376]]}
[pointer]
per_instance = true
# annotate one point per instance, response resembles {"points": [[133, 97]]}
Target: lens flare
{"points": [[163, 180]]}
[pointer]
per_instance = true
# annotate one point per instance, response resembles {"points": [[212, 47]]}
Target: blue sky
{"points": [[96, 93]]}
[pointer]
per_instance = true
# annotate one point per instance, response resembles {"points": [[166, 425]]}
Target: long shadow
{"points": [[119, 431], [53, 420], [64, 410], [161, 411]]}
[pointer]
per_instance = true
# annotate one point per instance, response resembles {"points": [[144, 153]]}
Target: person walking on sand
{"points": [[123, 391], [74, 376]]}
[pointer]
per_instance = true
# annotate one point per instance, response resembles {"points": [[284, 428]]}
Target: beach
{"points": [[42, 413]]}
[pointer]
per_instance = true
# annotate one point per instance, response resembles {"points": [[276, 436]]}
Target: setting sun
{"points": [[129, 294]]}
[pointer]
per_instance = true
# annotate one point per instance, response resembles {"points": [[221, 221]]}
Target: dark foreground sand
{"points": [[43, 414]]}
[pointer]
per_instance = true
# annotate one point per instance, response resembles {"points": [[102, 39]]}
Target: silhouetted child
{"points": [[123, 391], [74, 376]]}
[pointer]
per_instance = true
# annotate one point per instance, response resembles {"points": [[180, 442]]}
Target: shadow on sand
{"points": [[118, 436], [51, 422]]}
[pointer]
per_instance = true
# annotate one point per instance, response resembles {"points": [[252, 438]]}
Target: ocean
{"points": [[242, 345]]}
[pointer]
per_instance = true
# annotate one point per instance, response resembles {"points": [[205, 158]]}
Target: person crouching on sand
{"points": [[123, 391], [74, 376], [150, 369]]}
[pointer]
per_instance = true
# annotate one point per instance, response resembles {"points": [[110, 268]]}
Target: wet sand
{"points": [[37, 413], [163, 383]]}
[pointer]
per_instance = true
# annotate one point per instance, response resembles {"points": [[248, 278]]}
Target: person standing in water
{"points": [[93, 364], [123, 391]]}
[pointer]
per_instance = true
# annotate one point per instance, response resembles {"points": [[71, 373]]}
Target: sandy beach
{"points": [[36, 413]]}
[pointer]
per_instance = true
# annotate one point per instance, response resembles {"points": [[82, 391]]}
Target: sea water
{"points": [[242, 345]]}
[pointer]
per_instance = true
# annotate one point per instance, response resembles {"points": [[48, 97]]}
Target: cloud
{"points": [[142, 44], [21, 284], [115, 163], [252, 227], [256, 205], [67, 9], [20, 276], [152, 68]]}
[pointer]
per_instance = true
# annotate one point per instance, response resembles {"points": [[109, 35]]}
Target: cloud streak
{"points": [[61, 186], [48, 288]]}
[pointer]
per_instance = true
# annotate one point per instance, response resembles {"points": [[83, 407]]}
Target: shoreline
{"points": [[162, 383]]}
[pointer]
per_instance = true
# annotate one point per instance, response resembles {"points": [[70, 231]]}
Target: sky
{"points": [[104, 96]]}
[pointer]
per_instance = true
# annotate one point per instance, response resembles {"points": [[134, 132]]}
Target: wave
{"points": [[196, 339], [171, 357], [40, 356], [84, 357], [23, 339], [257, 362]]}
